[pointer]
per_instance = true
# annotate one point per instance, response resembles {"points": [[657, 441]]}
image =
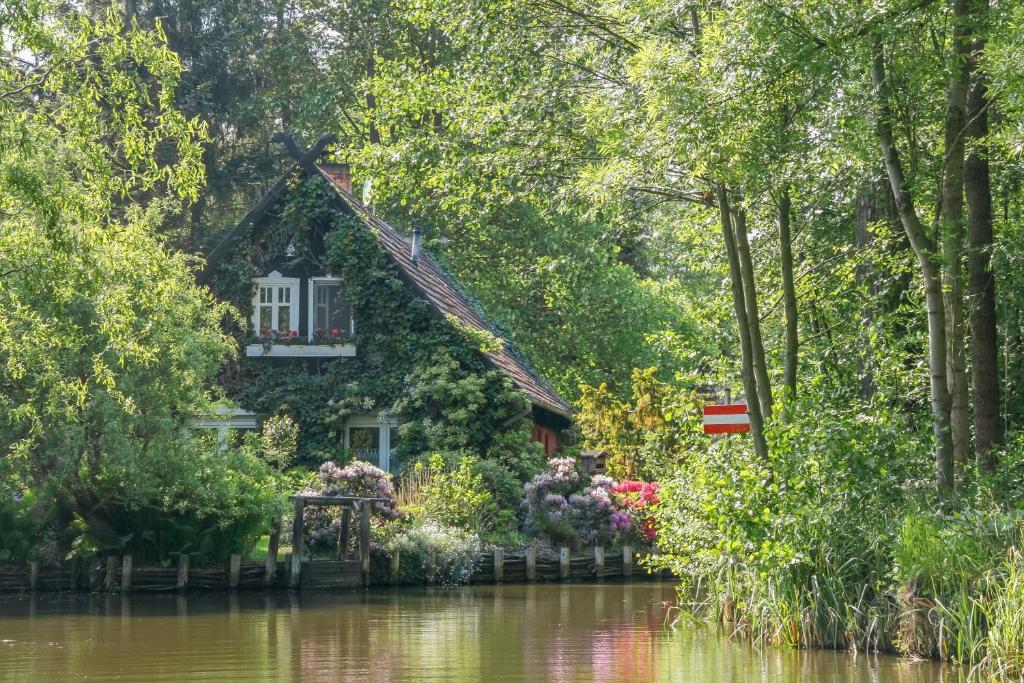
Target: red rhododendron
{"points": [[636, 496]]}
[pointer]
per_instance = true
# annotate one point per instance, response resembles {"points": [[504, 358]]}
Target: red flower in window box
{"points": [[295, 333], [335, 331]]}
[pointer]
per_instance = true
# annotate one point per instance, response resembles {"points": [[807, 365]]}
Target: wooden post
{"points": [[183, 562], [33, 575], [627, 560], [270, 568], [364, 540], [563, 561], [395, 565], [108, 580], [499, 564], [531, 564], [234, 571], [344, 533], [126, 573], [599, 561], [298, 528]]}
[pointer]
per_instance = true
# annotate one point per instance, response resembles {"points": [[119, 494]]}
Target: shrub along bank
{"points": [[446, 511]]}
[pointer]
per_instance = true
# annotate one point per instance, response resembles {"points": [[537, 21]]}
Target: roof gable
{"points": [[426, 276], [438, 288]]}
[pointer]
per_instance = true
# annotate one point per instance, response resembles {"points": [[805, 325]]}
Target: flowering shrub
{"points": [[637, 497], [431, 548], [358, 478], [563, 506]]}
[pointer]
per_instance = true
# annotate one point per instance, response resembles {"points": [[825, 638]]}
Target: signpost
{"points": [[726, 419]]}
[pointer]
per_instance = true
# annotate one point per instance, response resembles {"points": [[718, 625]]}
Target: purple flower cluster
{"points": [[562, 502], [358, 478]]}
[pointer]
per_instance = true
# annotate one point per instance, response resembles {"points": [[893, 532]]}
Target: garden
{"points": [[442, 512]]}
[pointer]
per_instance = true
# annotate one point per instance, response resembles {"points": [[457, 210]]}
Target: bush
{"points": [[451, 495], [637, 500], [194, 499], [799, 545], [358, 478], [567, 508], [431, 548], [20, 526]]}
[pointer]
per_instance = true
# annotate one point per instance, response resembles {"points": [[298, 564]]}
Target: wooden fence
{"points": [[500, 565]]}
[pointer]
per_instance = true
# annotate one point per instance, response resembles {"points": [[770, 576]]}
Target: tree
{"points": [[107, 347]]}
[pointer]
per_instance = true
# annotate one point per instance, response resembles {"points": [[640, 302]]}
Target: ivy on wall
{"points": [[410, 362]]}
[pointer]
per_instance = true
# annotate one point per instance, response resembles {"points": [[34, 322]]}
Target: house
{"points": [[359, 334]]}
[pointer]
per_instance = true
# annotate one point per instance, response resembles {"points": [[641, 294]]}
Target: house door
{"points": [[370, 439]]}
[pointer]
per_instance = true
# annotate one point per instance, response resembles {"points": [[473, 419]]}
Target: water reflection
{"points": [[574, 632]]}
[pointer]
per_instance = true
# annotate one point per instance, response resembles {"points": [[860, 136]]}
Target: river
{"points": [[539, 632]]}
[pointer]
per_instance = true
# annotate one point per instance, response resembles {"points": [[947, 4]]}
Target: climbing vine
{"points": [[411, 363]]}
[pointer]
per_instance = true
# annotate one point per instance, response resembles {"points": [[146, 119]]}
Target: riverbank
{"points": [[494, 566]]}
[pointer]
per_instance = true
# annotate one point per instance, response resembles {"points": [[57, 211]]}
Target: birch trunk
{"points": [[743, 327], [953, 233], [764, 388], [930, 275]]}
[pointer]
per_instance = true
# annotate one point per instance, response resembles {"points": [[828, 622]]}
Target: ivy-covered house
{"points": [[354, 331]]}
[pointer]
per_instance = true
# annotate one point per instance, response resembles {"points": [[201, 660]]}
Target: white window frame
{"points": [[223, 421], [275, 280], [382, 422], [311, 305]]}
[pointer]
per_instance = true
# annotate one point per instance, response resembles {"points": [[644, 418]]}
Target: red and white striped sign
{"points": [[727, 419]]}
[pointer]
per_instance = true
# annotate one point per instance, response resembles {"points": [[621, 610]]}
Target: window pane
{"points": [[392, 445], [332, 312], [365, 443], [284, 318], [284, 295], [266, 294], [266, 320]]}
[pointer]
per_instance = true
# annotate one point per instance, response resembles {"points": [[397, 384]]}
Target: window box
{"points": [[300, 350]]}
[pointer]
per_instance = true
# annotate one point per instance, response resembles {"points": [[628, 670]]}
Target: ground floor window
{"points": [[372, 438]]}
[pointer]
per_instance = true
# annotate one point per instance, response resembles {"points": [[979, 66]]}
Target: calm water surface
{"points": [[556, 632]]}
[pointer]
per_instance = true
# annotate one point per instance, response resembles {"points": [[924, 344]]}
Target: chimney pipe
{"points": [[416, 235], [340, 175], [345, 177]]}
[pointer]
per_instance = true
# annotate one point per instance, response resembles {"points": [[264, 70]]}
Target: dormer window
{"points": [[275, 305], [330, 313]]}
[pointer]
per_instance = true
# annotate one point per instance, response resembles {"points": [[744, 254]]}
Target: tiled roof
{"points": [[437, 287]]}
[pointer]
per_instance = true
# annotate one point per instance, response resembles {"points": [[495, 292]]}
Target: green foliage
{"points": [[648, 437], [279, 441], [803, 541], [430, 549], [411, 363], [453, 495], [21, 526], [107, 347]]}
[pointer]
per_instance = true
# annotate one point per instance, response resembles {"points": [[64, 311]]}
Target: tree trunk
{"points": [[923, 248], [988, 422], [788, 295], [953, 234], [764, 387], [868, 210], [743, 327]]}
